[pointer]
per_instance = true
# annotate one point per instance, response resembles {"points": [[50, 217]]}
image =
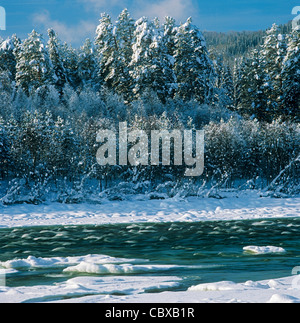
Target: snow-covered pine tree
{"points": [[70, 64], [143, 37], [124, 33], [168, 43], [228, 85], [291, 77], [152, 67], [107, 49], [54, 48], [16, 43], [224, 83], [34, 67], [170, 30], [193, 68], [87, 65], [243, 87], [273, 53], [253, 88], [7, 57]]}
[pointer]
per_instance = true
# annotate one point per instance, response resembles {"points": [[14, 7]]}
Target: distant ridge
{"points": [[237, 43]]}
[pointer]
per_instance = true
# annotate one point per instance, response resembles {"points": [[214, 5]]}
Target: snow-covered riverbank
{"points": [[284, 290], [95, 289], [245, 205]]}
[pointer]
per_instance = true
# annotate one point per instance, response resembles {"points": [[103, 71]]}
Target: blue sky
{"points": [[75, 20]]}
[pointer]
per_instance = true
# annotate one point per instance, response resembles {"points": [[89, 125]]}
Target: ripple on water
{"points": [[195, 247]]}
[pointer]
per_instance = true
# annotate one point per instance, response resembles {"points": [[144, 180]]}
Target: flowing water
{"points": [[194, 253]]}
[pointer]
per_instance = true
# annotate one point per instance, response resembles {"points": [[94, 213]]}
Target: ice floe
{"points": [[263, 250]]}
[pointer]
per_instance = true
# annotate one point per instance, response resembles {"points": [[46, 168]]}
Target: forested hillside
{"points": [[235, 44], [154, 75]]}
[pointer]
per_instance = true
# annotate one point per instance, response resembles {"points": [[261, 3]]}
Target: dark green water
{"points": [[205, 251]]}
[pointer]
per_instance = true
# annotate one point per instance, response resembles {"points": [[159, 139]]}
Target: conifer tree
{"points": [[70, 64], [107, 49], [224, 83], [242, 85], [124, 33], [228, 85], [291, 77], [236, 82], [193, 68], [272, 54], [7, 57], [253, 91], [151, 65], [54, 48], [170, 30], [87, 65], [33, 68]]}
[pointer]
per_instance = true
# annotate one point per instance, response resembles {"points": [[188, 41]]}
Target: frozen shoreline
{"points": [[90, 289], [245, 206], [283, 290]]}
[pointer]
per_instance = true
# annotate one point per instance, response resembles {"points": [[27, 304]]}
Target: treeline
{"points": [[132, 58], [54, 99], [129, 58]]}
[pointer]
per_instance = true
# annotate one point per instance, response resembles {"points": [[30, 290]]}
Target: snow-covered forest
{"points": [[154, 75]]}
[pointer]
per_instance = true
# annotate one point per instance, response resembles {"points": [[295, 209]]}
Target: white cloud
{"points": [[70, 33], [178, 9]]}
